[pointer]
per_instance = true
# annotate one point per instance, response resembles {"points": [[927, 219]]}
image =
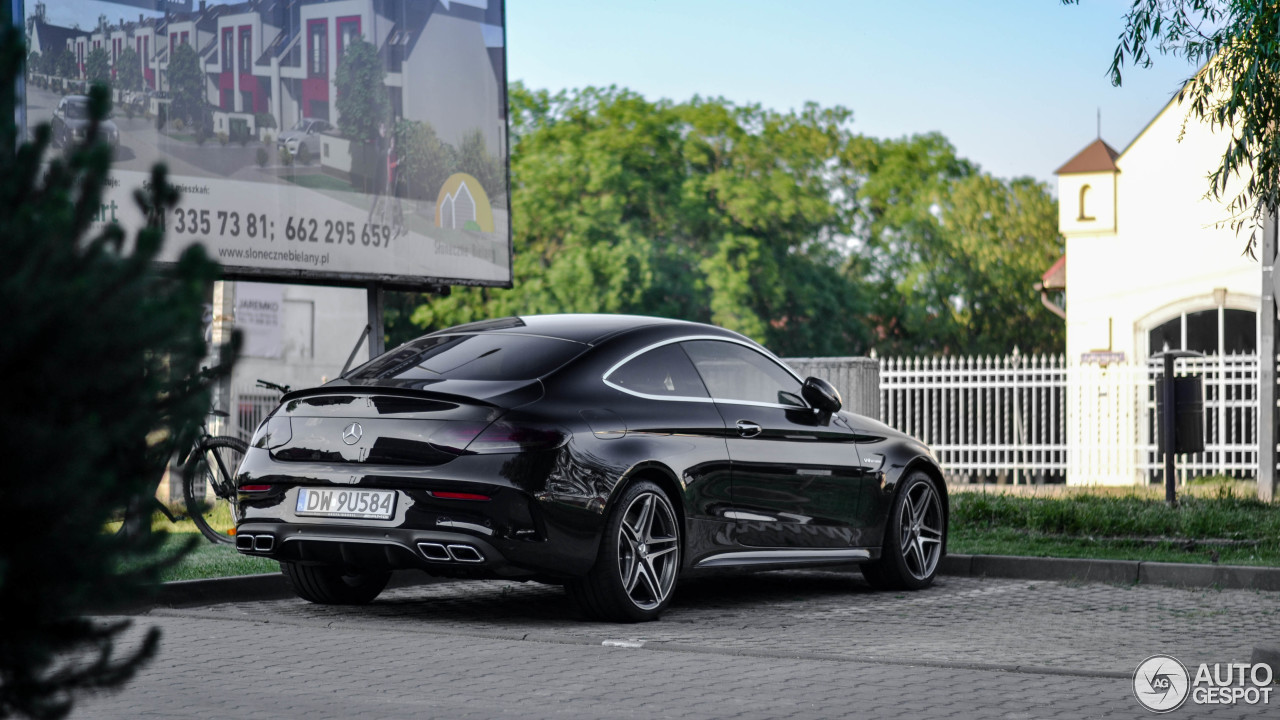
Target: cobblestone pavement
{"points": [[772, 645]]}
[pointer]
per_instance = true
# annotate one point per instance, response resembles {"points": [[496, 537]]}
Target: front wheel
{"points": [[913, 538], [209, 487], [638, 562]]}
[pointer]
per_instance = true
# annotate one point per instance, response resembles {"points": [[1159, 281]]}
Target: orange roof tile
{"points": [[1097, 157]]}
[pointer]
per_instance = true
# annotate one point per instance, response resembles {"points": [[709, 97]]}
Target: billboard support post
{"points": [[14, 106], [377, 328]]}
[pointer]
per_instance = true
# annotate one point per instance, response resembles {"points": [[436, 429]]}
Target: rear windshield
{"points": [[485, 356]]}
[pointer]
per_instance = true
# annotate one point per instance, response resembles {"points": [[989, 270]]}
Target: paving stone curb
{"points": [[1234, 577], [243, 588], [272, 586]]}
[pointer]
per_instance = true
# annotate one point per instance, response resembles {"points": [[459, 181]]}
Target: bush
{"points": [[223, 138], [178, 125], [262, 157], [304, 154], [286, 157], [267, 138], [83, 440], [425, 161]]}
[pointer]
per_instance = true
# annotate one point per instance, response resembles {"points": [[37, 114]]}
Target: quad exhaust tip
{"points": [[434, 551], [465, 553], [255, 543], [439, 552]]}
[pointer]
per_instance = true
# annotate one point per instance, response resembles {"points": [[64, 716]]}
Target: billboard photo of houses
{"points": [[340, 140]]}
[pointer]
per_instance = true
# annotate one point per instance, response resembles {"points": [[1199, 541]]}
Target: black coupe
{"points": [[611, 454]]}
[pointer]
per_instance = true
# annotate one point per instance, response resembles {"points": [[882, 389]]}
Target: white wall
{"points": [[319, 327]]}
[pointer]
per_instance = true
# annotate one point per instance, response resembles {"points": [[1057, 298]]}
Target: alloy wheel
{"points": [[920, 521], [648, 550]]}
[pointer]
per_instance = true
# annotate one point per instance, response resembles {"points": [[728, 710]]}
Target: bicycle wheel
{"points": [[208, 484]]}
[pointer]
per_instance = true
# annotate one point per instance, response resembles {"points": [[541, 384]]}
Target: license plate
{"points": [[332, 502]]}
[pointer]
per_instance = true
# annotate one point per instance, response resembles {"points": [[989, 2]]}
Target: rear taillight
{"points": [[454, 437], [503, 437], [443, 495], [499, 437], [254, 488]]}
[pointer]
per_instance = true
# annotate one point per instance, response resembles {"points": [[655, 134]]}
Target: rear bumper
{"points": [[521, 530], [439, 553]]}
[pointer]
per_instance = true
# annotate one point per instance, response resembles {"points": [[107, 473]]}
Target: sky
{"points": [[1015, 85]]}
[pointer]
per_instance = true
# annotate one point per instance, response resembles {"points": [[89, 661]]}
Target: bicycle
{"points": [[222, 451], [208, 479]]}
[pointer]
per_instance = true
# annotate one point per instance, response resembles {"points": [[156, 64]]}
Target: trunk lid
{"points": [[385, 425]]}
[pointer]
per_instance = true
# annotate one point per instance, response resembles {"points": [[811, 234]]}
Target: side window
{"points": [[664, 371], [736, 372]]}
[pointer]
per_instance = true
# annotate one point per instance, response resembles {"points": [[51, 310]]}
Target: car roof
{"points": [[580, 327]]}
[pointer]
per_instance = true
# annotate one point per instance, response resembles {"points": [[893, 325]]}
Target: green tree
{"points": [[128, 71], [952, 253], [787, 227], [1001, 236], [186, 85], [97, 67], [703, 210], [362, 101], [1236, 89], [83, 440]]}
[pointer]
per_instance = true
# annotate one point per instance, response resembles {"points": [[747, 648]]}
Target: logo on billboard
{"points": [[463, 205]]}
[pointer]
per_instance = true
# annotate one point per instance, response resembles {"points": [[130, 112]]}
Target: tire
{"points": [[638, 563], [329, 585], [209, 487], [914, 538]]}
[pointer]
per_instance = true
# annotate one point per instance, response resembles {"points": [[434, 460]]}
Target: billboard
{"points": [[332, 141]]}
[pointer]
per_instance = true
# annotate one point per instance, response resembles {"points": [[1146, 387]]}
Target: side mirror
{"points": [[821, 395]]}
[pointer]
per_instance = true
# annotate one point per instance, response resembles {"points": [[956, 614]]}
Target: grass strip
{"points": [[1221, 527], [207, 560]]}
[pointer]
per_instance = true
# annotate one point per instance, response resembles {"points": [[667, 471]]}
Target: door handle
{"points": [[748, 429]]}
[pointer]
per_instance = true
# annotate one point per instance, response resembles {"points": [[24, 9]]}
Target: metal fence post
{"points": [[1267, 363]]}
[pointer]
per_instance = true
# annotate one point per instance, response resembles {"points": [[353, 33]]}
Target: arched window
{"points": [[1219, 331], [1084, 190]]}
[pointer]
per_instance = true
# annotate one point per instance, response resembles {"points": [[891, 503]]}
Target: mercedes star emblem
{"points": [[352, 433]]}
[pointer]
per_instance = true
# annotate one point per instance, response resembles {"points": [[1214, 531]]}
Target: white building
{"points": [[1151, 260], [1152, 263]]}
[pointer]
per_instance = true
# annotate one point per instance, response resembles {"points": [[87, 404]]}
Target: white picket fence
{"points": [[1040, 419]]}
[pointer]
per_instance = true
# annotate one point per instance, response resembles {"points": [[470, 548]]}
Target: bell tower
{"points": [[1087, 191]]}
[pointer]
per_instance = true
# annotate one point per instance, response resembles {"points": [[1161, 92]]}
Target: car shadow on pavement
{"points": [[534, 604]]}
